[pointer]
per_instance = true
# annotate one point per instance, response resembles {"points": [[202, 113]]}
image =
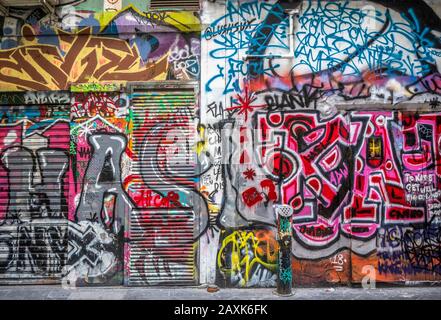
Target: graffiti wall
{"points": [[295, 109], [148, 148], [95, 213], [104, 45]]}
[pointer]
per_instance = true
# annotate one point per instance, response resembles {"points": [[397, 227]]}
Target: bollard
{"points": [[284, 237]]}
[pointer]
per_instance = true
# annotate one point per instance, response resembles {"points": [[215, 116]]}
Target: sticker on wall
{"points": [[112, 5]]}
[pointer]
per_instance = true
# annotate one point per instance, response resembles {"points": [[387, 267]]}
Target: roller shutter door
{"points": [[33, 189], [162, 227]]}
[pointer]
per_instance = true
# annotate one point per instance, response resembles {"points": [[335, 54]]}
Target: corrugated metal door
{"points": [[162, 227], [33, 189]]}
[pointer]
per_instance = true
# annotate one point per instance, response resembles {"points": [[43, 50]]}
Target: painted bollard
{"points": [[284, 237]]}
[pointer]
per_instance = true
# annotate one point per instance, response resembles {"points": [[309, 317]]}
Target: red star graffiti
{"points": [[249, 174], [244, 103]]}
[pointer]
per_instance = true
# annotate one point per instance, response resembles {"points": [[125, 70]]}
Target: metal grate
{"points": [[161, 232], [284, 210], [191, 5]]}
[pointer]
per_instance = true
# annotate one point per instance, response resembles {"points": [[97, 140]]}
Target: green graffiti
{"points": [[284, 224], [286, 275], [75, 131], [72, 148], [95, 87]]}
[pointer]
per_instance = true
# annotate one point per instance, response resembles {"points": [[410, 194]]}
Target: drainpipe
{"points": [[290, 35], [284, 237]]}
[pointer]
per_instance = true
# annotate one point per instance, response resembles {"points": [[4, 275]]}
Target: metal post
{"points": [[284, 237]]}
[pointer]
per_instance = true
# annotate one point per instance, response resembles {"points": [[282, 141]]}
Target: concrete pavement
{"points": [[201, 293]]}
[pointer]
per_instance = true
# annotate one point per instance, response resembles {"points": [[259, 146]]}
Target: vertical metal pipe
{"points": [[284, 237]]}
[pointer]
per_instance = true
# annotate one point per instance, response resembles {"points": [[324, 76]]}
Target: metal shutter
{"points": [[33, 189], [179, 4], [161, 236]]}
